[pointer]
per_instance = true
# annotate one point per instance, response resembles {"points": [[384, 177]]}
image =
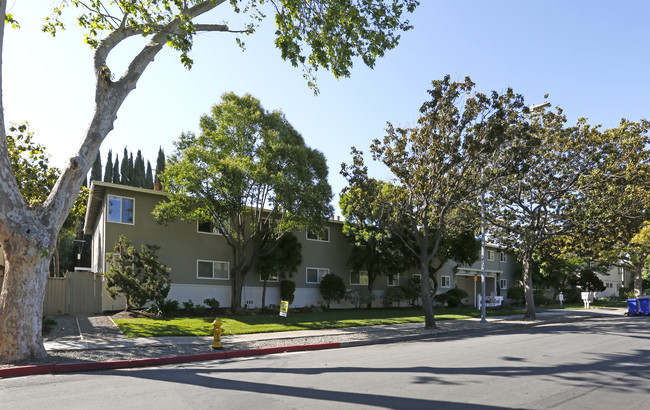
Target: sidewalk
{"points": [[193, 349]]}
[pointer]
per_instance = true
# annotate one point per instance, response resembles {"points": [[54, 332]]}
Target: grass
{"points": [[201, 326]]}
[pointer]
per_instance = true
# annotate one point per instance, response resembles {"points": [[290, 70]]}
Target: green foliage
{"points": [[393, 294], [589, 281], [165, 308], [332, 288], [139, 276], [452, 297], [283, 260], [160, 165], [250, 174], [287, 290], [359, 297], [108, 169], [212, 303], [30, 164], [516, 295], [188, 306], [96, 170]]}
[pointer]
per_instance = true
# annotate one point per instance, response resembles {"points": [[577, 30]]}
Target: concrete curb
{"points": [[32, 370], [125, 364]]}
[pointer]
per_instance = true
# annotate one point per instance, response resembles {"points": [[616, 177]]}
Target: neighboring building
{"points": [[616, 278], [200, 260]]}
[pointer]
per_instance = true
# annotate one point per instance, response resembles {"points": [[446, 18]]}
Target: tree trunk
{"points": [[263, 293], [21, 301], [425, 295], [370, 283], [528, 287], [638, 279]]}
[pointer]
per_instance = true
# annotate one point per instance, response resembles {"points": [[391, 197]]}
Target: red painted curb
{"points": [[19, 371]]}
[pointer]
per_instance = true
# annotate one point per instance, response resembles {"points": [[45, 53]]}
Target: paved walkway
{"points": [[118, 341]]}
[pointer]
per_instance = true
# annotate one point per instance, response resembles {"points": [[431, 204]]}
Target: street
{"points": [[598, 363]]}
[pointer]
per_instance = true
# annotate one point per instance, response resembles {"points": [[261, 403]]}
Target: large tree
{"points": [[375, 250], [326, 34], [558, 190], [280, 262], [443, 164], [249, 174]]}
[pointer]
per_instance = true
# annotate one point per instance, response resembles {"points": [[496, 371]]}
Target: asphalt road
{"points": [[596, 364]]}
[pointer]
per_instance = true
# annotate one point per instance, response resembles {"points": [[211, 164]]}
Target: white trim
{"points": [[395, 280], [502, 282], [318, 274], [108, 214], [360, 273], [213, 262], [490, 252], [318, 236], [503, 257], [442, 281]]}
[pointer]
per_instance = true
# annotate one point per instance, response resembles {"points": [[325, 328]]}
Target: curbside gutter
{"points": [[32, 370], [19, 371]]}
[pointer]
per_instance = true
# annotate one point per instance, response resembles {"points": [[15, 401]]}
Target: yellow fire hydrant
{"points": [[216, 332]]}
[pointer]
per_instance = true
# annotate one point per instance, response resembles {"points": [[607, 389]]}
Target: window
{"points": [[212, 270], [502, 257], [120, 209], [394, 280], [272, 278], [503, 283], [321, 235], [359, 278], [609, 284], [490, 255], [206, 227], [314, 275], [445, 281]]}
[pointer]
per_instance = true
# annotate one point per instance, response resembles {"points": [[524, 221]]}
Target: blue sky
{"points": [[590, 56]]}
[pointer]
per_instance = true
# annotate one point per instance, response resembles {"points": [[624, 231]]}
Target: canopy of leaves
{"points": [[250, 166], [30, 164], [322, 33]]}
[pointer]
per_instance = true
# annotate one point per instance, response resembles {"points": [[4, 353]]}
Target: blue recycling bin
{"points": [[644, 306], [633, 307]]}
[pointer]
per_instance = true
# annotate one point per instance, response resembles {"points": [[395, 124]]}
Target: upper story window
{"points": [[359, 278], [206, 227], [272, 278], [120, 209], [212, 270], [321, 235], [503, 257], [490, 255], [445, 281], [394, 280]]}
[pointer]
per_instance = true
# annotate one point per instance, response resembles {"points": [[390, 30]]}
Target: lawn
{"points": [[264, 323]]}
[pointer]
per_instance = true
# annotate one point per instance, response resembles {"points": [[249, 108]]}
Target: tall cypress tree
{"points": [[124, 168], [131, 171], [116, 170], [138, 171], [96, 172], [108, 170], [148, 181], [160, 165]]}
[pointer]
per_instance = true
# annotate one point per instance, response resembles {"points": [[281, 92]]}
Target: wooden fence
{"points": [[76, 293]]}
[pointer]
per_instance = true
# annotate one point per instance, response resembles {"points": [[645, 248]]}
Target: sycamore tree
{"points": [[251, 176], [328, 34], [442, 164]]}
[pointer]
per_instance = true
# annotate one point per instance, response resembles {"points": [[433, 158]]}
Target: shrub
{"points": [[200, 310], [359, 297], [165, 308], [287, 290], [188, 306], [516, 295], [393, 294], [539, 298], [626, 292], [212, 303], [452, 297], [332, 288]]}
